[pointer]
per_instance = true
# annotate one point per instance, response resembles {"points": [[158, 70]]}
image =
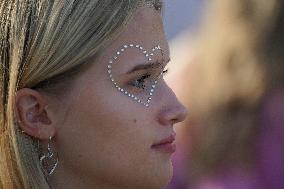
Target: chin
{"points": [[164, 176], [168, 177], [154, 175]]}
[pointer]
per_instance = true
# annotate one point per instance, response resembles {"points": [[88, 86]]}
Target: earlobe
{"points": [[32, 115]]}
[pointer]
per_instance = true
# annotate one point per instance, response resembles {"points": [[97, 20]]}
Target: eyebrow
{"points": [[147, 66]]}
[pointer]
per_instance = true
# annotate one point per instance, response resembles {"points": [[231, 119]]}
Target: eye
{"points": [[140, 82]]}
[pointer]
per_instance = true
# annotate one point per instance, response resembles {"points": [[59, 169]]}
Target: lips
{"points": [[165, 145]]}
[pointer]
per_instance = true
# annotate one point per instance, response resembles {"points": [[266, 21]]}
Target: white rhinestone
{"points": [[150, 59], [131, 45], [139, 101], [115, 57], [121, 90], [135, 98], [129, 95], [147, 55], [156, 82], [151, 94], [126, 46], [118, 88], [118, 53], [112, 80], [109, 71], [109, 66], [152, 90], [110, 62], [137, 46], [154, 86], [121, 50], [149, 98], [132, 96], [144, 52], [126, 92], [153, 50], [147, 105], [141, 48], [152, 54]]}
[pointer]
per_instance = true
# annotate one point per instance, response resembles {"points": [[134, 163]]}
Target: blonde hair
{"points": [[41, 40], [229, 81]]}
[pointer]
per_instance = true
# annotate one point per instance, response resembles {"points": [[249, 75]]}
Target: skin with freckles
{"points": [[103, 137]]}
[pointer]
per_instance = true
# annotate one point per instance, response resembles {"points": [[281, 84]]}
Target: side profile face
{"points": [[104, 136]]}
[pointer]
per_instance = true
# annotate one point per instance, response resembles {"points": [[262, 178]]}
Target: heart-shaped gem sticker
{"points": [[149, 57], [48, 160], [48, 163]]}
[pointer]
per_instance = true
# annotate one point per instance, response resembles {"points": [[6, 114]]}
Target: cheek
{"points": [[107, 138], [111, 135]]}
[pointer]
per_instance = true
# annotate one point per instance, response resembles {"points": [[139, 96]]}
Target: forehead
{"points": [[147, 21], [145, 28]]}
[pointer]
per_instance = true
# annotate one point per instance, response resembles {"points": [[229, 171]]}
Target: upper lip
{"points": [[167, 140]]}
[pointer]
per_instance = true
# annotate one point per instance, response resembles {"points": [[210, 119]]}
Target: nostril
{"points": [[174, 121], [181, 113], [181, 117]]}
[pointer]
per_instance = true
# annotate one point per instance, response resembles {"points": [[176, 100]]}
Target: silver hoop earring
{"points": [[49, 161]]}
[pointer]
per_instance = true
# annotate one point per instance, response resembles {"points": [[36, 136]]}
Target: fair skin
{"points": [[102, 136]]}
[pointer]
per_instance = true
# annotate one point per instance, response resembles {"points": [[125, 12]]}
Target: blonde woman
{"points": [[83, 100]]}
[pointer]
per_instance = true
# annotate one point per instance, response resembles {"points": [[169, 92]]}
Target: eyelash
{"points": [[165, 72], [140, 82]]}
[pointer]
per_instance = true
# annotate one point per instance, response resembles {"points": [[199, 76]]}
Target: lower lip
{"points": [[166, 148]]}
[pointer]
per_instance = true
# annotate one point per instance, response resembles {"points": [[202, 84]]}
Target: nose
{"points": [[172, 111]]}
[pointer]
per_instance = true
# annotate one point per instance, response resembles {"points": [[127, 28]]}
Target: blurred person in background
{"points": [[234, 90]]}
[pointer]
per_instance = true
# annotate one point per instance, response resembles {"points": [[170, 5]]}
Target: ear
{"points": [[31, 111]]}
